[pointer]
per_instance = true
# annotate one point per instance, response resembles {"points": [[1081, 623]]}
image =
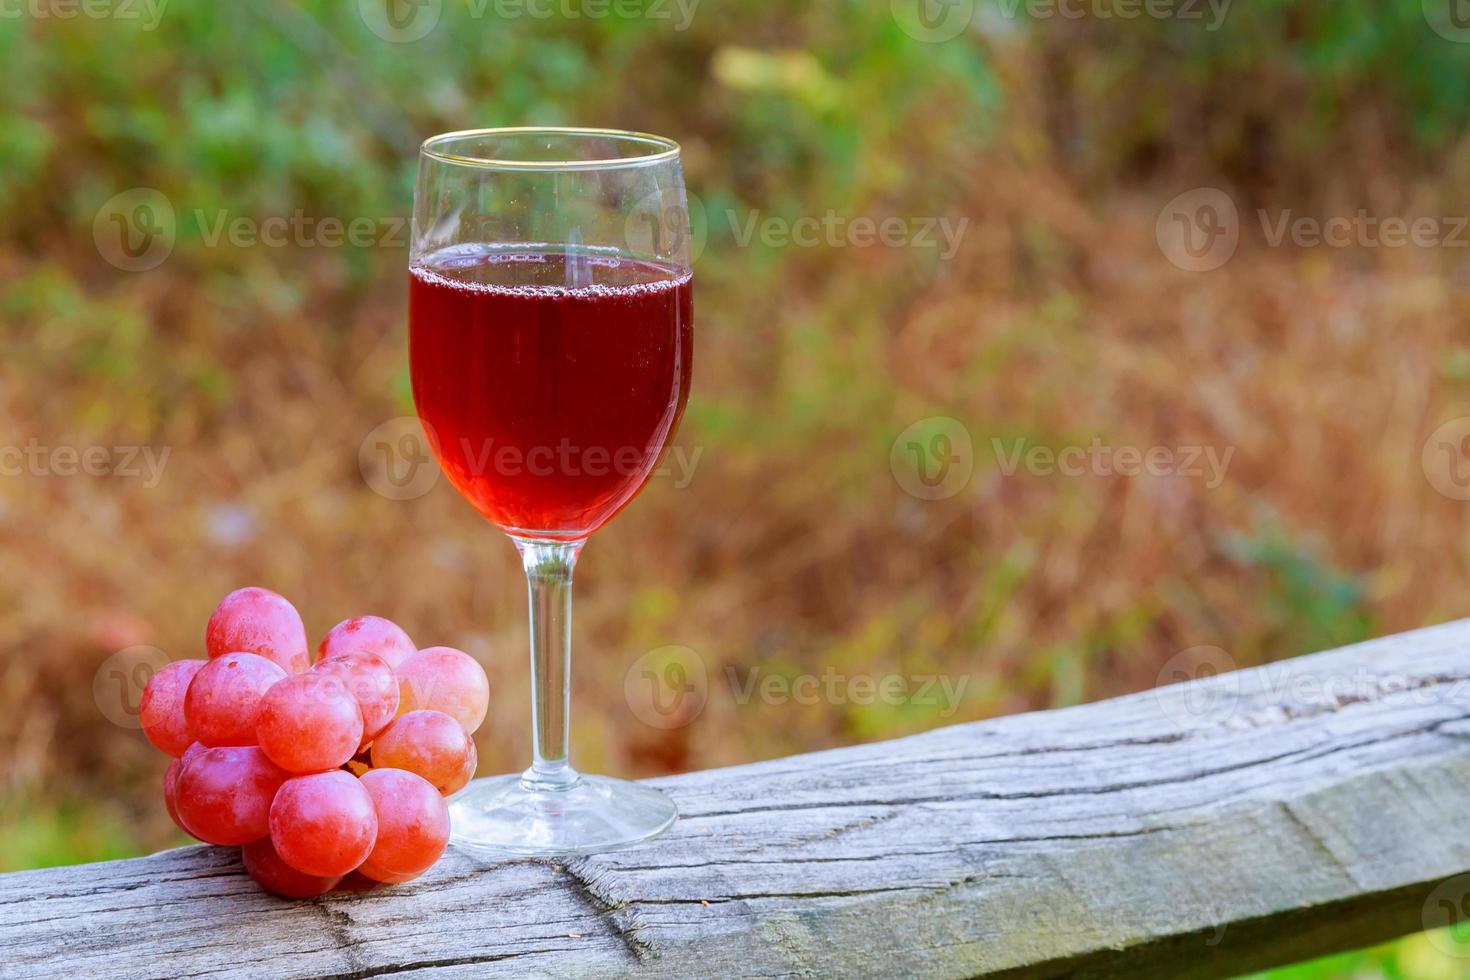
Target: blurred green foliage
{"points": [[1269, 96]]}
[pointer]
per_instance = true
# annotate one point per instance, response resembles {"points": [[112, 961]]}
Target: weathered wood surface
{"points": [[1200, 830]]}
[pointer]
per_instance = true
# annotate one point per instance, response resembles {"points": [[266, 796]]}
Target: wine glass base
{"points": [[504, 816]]}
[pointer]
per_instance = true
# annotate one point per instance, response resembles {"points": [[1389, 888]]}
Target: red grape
{"points": [[224, 698], [223, 795], [309, 723], [413, 825], [371, 682], [444, 679], [323, 824], [430, 744], [388, 878], [162, 708], [171, 782], [276, 876], [170, 791], [261, 622], [355, 882], [368, 634]]}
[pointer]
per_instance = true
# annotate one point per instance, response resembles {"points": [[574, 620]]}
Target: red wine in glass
{"points": [[549, 378], [548, 404]]}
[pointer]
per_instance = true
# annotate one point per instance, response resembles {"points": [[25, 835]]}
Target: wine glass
{"points": [[550, 342]]}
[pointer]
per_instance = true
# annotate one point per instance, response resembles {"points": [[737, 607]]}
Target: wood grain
{"points": [[1200, 830]]}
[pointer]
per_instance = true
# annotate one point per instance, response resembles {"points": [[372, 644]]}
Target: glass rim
{"points": [[663, 149]]}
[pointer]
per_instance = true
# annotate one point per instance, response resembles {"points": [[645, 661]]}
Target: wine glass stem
{"points": [[548, 566]]}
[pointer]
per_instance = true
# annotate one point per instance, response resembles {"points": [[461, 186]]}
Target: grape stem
{"points": [[549, 566]]}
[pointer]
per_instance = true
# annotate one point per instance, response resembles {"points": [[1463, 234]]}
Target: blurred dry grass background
{"points": [[793, 548]]}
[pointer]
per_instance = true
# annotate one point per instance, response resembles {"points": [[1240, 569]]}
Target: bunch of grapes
{"points": [[316, 770]]}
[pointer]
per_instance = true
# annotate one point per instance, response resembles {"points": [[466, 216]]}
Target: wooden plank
{"points": [[1200, 830]]}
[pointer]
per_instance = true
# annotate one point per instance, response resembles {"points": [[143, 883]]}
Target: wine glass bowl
{"points": [[550, 355], [548, 404]]}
